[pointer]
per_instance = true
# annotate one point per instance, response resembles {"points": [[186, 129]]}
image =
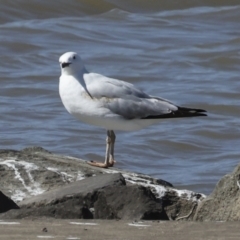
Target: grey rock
{"points": [[179, 207], [132, 202], [71, 190], [70, 201], [224, 202], [35, 170], [107, 194], [46, 184]]}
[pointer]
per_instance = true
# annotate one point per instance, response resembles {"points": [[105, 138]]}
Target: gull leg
{"points": [[109, 160], [112, 136]]}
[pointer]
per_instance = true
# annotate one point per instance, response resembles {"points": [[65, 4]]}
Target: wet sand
{"points": [[112, 229]]}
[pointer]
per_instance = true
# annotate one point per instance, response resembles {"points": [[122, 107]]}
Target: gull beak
{"points": [[63, 65]]}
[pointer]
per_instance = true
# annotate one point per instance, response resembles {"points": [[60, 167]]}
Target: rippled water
{"points": [[188, 53]]}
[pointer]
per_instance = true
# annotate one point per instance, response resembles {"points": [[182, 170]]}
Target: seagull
{"points": [[111, 104]]}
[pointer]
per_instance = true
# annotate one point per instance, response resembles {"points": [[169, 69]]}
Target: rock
{"points": [[108, 195], [34, 170], [45, 184], [71, 190], [179, 207], [69, 201], [6, 203], [128, 202], [224, 202]]}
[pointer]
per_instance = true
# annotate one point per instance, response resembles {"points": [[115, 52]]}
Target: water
{"points": [[188, 53]]}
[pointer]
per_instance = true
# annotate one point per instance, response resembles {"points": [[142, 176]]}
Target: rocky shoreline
{"points": [[36, 183]]}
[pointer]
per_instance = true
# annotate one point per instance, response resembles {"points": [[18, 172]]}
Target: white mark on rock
{"points": [[158, 190], [18, 195], [238, 184], [33, 187], [82, 223], [45, 236], [138, 225], [66, 177], [80, 176], [9, 223]]}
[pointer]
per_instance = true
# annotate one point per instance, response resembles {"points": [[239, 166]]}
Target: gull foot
{"points": [[102, 165], [111, 163]]}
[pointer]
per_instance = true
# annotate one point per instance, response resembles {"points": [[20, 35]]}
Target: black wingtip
{"points": [[192, 111], [181, 113]]}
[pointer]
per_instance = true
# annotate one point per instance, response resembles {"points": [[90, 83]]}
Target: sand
{"points": [[112, 229]]}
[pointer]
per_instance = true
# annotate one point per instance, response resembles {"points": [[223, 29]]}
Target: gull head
{"points": [[71, 63]]}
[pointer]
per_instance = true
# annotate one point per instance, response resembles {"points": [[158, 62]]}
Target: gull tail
{"points": [[180, 113]]}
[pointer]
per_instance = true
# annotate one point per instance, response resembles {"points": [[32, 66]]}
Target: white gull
{"points": [[111, 104]]}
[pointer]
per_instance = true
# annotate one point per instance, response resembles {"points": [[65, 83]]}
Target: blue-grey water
{"points": [[188, 53]]}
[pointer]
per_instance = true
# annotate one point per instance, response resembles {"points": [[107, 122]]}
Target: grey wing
{"points": [[123, 99], [100, 86], [140, 108]]}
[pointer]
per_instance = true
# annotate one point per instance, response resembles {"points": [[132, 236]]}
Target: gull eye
{"points": [[74, 57]]}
